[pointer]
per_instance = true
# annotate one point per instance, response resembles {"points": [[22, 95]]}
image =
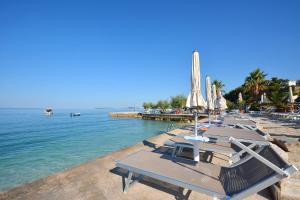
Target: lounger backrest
{"points": [[247, 174]]}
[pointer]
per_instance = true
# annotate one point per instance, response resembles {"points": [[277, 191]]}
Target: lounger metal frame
{"points": [[252, 128], [252, 190]]}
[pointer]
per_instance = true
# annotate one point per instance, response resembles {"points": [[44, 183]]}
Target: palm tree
{"points": [[219, 85], [278, 94], [255, 84]]}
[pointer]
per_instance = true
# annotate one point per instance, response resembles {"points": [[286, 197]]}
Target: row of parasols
{"points": [[214, 99]]}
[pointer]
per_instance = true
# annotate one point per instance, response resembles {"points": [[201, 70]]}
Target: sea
{"points": [[33, 145]]}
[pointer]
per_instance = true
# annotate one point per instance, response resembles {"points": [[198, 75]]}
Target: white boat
{"points": [[48, 111], [74, 114]]}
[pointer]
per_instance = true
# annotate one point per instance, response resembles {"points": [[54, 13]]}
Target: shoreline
{"points": [[126, 148], [43, 188], [38, 146], [99, 179]]}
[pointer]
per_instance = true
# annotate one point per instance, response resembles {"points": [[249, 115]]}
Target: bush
{"points": [[163, 104], [255, 106], [147, 105], [231, 105], [178, 101]]}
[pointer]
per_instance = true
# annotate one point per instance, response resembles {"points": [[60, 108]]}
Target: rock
{"points": [[290, 189], [280, 152], [287, 143]]}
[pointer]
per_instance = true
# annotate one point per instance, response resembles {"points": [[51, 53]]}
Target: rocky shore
{"points": [[100, 179]]}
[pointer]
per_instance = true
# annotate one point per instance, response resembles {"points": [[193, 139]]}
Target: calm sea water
{"points": [[33, 145]]}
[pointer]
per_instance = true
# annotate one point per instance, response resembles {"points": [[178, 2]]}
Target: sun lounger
{"points": [[255, 174], [240, 123], [242, 135], [178, 143], [219, 135], [218, 147], [225, 148], [228, 121], [253, 138]]}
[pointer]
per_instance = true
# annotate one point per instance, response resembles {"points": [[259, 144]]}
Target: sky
{"points": [[87, 54]]}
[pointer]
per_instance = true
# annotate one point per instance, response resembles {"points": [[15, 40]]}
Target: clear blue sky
{"points": [[122, 53]]}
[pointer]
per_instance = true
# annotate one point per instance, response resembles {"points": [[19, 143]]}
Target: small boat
{"points": [[74, 114], [48, 111]]}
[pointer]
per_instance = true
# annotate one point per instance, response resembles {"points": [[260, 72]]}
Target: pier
{"points": [[158, 117], [172, 117], [125, 114]]}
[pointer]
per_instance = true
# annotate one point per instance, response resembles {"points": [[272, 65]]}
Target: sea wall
{"points": [[125, 114]]}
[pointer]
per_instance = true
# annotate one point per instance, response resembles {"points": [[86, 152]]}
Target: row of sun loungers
{"points": [[228, 122], [258, 168]]}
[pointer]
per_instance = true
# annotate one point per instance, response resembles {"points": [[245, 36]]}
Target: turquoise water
{"points": [[33, 145]]}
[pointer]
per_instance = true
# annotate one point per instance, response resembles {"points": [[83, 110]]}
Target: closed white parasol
{"points": [[195, 99], [209, 98]]}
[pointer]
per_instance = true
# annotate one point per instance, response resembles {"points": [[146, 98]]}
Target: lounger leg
{"points": [[174, 151], [188, 193], [180, 150], [127, 182], [181, 195], [196, 152]]}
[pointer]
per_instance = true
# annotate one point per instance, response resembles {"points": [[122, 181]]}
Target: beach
{"points": [[180, 100], [99, 178]]}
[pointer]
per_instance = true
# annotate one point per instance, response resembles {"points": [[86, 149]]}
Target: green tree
{"points": [[233, 94], [241, 105], [219, 85], [153, 106], [178, 101], [231, 105], [255, 84], [163, 104], [277, 93], [147, 105]]}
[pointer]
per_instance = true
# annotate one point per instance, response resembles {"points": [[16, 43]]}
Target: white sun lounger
{"points": [[246, 178], [178, 143], [228, 122], [242, 135], [222, 135], [240, 123]]}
